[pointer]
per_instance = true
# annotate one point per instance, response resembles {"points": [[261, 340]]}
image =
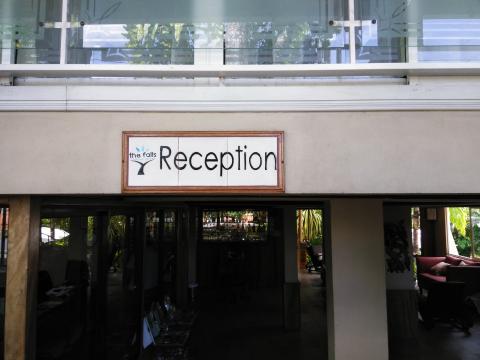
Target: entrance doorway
{"points": [[312, 274], [177, 279]]}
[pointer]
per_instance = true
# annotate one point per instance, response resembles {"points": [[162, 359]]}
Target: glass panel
{"points": [[132, 44], [270, 43], [382, 34], [161, 314], [416, 231], [461, 231], [428, 30], [87, 277], [27, 31], [450, 40], [476, 232], [235, 225], [38, 47], [206, 32], [198, 11], [160, 256], [122, 303], [63, 295]]}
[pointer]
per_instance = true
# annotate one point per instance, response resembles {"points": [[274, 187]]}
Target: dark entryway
{"points": [[183, 280]]}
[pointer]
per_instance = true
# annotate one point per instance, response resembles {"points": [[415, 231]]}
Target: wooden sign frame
{"points": [[247, 189]]}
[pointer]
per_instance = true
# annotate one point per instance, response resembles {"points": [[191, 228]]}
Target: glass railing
{"points": [[228, 32], [207, 43]]}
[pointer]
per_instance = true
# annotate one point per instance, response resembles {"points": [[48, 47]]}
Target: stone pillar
{"points": [[22, 276], [291, 286], [356, 299]]}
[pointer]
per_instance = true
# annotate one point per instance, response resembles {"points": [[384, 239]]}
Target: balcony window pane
{"points": [[381, 37], [207, 32], [199, 11], [27, 32], [447, 30], [270, 43], [450, 40], [429, 30]]}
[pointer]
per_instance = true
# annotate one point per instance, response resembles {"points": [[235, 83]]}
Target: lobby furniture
{"points": [[432, 270], [315, 263], [449, 281]]}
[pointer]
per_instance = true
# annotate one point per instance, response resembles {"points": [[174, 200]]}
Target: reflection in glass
{"points": [[417, 30], [450, 40], [381, 38], [27, 31], [86, 279], [122, 290], [206, 32], [234, 225], [63, 288], [160, 256], [231, 32]]}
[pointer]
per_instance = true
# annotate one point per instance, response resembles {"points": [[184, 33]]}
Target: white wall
{"points": [[325, 152]]}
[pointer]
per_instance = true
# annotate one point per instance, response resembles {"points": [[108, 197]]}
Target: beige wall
{"points": [[356, 295], [325, 152]]}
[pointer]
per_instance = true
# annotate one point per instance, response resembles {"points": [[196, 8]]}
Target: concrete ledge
{"points": [[249, 71]]}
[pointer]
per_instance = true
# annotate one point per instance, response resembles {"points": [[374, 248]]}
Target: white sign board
{"points": [[203, 162]]}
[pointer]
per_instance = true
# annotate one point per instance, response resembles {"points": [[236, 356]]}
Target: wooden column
{"points": [[22, 275]]}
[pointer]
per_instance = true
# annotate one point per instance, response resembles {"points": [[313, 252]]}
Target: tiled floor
{"points": [[252, 328], [443, 342]]}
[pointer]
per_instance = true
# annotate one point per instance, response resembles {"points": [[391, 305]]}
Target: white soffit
{"points": [[253, 88]]}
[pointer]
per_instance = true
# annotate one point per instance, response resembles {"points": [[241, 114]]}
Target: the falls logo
{"points": [[142, 156]]}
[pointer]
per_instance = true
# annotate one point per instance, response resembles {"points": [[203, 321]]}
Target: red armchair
{"points": [[448, 285]]}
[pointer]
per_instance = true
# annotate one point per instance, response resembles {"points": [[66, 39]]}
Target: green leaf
{"points": [[458, 218]]}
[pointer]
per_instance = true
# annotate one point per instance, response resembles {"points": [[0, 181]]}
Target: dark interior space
{"points": [[88, 298], [433, 282], [176, 282]]}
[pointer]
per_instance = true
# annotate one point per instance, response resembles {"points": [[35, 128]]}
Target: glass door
{"points": [[122, 271], [160, 259]]}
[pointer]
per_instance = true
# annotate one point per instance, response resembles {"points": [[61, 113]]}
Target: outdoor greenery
{"points": [[260, 42], [458, 218], [310, 225], [160, 43], [116, 240], [462, 229]]}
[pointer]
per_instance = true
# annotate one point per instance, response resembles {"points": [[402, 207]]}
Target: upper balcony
{"points": [[251, 37]]}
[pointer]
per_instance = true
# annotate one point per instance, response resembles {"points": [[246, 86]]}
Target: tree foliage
{"points": [[160, 43], [311, 225], [466, 224], [458, 218]]}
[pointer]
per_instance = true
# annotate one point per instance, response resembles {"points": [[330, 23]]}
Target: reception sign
{"points": [[182, 162]]}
